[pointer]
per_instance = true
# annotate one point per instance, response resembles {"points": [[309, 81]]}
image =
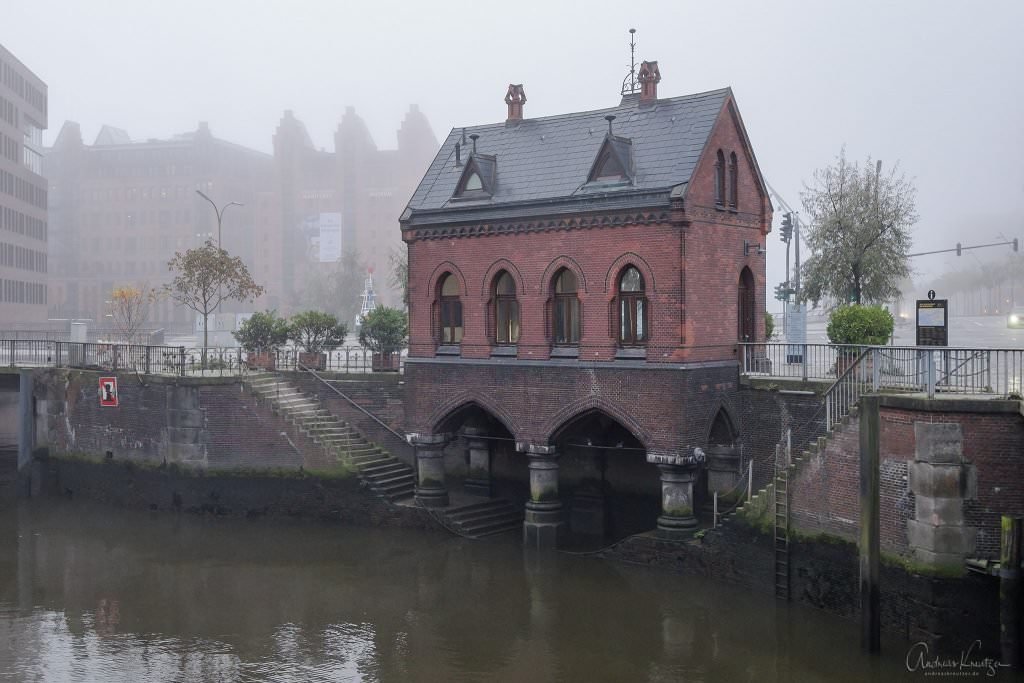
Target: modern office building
{"points": [[23, 195]]}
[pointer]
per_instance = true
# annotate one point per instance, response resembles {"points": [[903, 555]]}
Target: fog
{"points": [[934, 86]]}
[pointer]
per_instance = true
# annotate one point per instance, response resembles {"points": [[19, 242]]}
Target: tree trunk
{"points": [[206, 332]]}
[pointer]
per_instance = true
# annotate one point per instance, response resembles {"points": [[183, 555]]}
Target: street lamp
{"points": [[219, 212]]}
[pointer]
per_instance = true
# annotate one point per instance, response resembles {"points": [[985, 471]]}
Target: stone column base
{"points": [[543, 527]]}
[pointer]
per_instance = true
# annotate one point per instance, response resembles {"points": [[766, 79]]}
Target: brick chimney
{"points": [[515, 98], [649, 77]]}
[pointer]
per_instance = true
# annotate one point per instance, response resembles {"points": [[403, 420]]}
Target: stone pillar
{"points": [[543, 526], [478, 454], [430, 488], [941, 481], [676, 499], [26, 432]]}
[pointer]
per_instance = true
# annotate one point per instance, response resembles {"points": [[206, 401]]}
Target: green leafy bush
{"points": [[769, 326], [316, 331], [860, 325], [384, 330], [264, 331]]}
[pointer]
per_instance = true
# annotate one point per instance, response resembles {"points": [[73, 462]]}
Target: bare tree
{"points": [[207, 276], [859, 234], [129, 310]]}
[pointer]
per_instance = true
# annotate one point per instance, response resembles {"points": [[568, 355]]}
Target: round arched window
{"points": [[632, 308]]}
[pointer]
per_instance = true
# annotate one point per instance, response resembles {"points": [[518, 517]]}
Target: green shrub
{"points": [[769, 326], [384, 330], [316, 331], [264, 331], [860, 325]]}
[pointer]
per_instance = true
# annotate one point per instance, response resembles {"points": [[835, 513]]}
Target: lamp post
{"points": [[220, 217], [219, 212]]}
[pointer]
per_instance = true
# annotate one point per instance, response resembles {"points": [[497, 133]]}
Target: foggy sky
{"points": [[935, 86]]}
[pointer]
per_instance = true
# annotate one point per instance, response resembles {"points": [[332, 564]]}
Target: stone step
{"points": [[496, 527], [486, 518], [467, 511], [398, 488], [386, 480], [393, 466]]}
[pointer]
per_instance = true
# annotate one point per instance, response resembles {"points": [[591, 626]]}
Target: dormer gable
{"points": [[478, 178], [614, 161]]}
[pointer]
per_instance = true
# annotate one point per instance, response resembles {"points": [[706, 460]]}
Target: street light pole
{"points": [[218, 212], [220, 217]]}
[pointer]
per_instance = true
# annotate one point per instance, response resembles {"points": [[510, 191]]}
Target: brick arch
{"points": [[721, 405], [589, 404], [619, 264], [562, 262], [441, 269], [492, 272], [481, 400]]}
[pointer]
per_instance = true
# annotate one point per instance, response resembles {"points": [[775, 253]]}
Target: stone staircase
{"points": [[762, 502], [383, 474], [484, 518]]}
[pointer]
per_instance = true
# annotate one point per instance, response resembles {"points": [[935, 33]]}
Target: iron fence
{"points": [[926, 369], [182, 361]]}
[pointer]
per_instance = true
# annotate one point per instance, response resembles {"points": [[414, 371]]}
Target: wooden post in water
{"points": [[869, 435], [1009, 592]]}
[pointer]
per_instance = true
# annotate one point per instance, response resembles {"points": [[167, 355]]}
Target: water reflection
{"points": [[91, 593]]}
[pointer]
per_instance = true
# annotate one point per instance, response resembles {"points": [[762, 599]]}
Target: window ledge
{"points": [[506, 350], [449, 350], [631, 353], [565, 352]]}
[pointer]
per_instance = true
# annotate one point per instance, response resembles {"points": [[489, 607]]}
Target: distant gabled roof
{"points": [[551, 157], [109, 135]]}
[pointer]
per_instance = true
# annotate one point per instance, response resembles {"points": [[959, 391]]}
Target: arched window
{"points": [[745, 307], [566, 318], [720, 179], [733, 191], [506, 310], [451, 311], [632, 308]]}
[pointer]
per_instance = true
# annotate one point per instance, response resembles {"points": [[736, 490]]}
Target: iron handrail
{"points": [[355, 405]]}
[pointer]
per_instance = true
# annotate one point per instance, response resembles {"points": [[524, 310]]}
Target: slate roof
{"points": [[550, 158]]}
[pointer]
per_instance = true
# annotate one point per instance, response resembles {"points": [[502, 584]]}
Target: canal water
{"points": [[92, 593]]}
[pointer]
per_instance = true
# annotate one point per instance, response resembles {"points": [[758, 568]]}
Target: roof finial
{"points": [[629, 85], [474, 137], [609, 119]]}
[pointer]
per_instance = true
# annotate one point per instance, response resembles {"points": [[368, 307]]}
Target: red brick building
{"points": [[578, 284]]}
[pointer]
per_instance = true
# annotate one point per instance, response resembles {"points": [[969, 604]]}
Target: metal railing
{"points": [[182, 361], [927, 369]]}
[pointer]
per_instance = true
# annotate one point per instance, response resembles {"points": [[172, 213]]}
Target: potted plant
{"points": [[856, 326], [315, 333], [384, 331], [261, 336]]}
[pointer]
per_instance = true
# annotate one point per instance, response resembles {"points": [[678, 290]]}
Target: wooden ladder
{"points": [[782, 533]]}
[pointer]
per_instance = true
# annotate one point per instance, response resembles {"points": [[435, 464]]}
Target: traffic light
{"points": [[787, 227], [1015, 244], [958, 249], [780, 291]]}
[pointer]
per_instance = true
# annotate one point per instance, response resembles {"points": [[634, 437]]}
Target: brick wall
{"points": [[669, 410], [234, 430], [765, 416], [824, 491]]}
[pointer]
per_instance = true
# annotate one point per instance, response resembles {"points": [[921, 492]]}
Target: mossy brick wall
{"points": [[247, 494], [824, 490], [210, 422], [947, 613]]}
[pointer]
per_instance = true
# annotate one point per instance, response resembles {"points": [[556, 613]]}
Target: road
{"points": [[967, 331]]}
